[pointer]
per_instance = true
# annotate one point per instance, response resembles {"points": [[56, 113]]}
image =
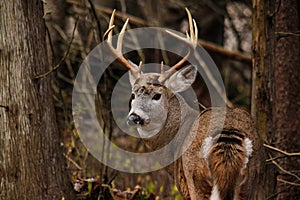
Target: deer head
{"points": [[150, 99], [151, 92]]}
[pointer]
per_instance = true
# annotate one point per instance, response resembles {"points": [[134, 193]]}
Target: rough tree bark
{"points": [[276, 89], [31, 162], [287, 98], [262, 105]]}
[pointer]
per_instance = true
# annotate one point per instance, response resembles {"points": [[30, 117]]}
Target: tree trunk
{"points": [[287, 99], [31, 162], [276, 90], [262, 106]]}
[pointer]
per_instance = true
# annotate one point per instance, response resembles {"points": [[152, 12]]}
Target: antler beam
{"points": [[118, 51], [191, 40]]}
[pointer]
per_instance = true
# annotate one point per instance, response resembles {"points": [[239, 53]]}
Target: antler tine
{"points": [[118, 51], [190, 23], [121, 36], [111, 25], [191, 40], [193, 29], [140, 67], [196, 33], [162, 67]]}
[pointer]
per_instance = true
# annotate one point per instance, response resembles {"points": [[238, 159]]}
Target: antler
{"points": [[118, 51], [189, 40]]}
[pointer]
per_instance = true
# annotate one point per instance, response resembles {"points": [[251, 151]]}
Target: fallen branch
{"points": [[140, 22], [229, 54]]}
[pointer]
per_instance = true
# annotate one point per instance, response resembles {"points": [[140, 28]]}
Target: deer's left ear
{"points": [[182, 80]]}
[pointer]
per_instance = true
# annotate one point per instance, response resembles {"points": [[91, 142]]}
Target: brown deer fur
{"points": [[224, 165]]}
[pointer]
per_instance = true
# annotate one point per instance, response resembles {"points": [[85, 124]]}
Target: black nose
{"points": [[134, 120]]}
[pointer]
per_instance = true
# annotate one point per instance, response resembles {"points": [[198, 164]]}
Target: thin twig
{"points": [[96, 18], [282, 151], [50, 40], [108, 11], [287, 34], [274, 195], [112, 178], [65, 56], [275, 158], [288, 182], [277, 9], [200, 104], [60, 32], [285, 171], [73, 162]]}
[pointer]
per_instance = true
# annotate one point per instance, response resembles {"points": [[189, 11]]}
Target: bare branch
{"points": [[96, 18], [287, 34], [282, 151], [209, 46], [65, 56], [285, 171], [73, 162], [288, 182]]}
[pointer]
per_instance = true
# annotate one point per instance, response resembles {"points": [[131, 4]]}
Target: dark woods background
{"points": [[255, 45], [224, 26], [74, 28]]}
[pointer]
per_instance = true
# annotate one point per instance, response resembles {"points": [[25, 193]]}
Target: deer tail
{"points": [[227, 153]]}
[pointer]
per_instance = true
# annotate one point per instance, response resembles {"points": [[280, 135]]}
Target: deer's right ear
{"points": [[182, 80], [133, 78]]}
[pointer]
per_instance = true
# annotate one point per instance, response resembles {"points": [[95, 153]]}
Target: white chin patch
{"points": [[149, 130]]}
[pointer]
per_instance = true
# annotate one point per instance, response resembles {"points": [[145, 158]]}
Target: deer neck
{"points": [[179, 118]]}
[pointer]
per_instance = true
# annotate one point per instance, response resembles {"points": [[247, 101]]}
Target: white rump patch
{"points": [[207, 146], [215, 193], [249, 150]]}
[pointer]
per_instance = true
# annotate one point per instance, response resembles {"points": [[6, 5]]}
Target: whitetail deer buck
{"points": [[222, 162]]}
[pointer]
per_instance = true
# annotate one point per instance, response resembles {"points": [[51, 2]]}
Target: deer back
{"points": [[213, 149]]}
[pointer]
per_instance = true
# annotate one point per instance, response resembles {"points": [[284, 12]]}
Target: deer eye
{"points": [[156, 97], [132, 96]]}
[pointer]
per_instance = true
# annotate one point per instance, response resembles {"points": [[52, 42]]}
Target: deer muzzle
{"points": [[133, 120]]}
